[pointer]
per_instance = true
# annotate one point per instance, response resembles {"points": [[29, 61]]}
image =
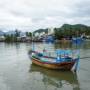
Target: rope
{"points": [[84, 57]]}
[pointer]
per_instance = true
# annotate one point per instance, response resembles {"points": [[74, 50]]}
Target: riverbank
{"points": [[29, 41]]}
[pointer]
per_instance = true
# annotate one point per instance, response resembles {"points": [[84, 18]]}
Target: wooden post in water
{"points": [[76, 66], [77, 62], [33, 47]]}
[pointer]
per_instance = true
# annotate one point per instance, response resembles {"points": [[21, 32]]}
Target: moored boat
{"points": [[62, 62], [61, 59]]}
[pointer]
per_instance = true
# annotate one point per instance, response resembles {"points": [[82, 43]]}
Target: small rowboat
{"points": [[58, 63]]}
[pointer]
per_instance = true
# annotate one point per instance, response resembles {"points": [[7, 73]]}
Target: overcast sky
{"points": [[33, 14]]}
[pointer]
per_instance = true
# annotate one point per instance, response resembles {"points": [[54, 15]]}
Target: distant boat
{"points": [[49, 39], [77, 40], [61, 62]]}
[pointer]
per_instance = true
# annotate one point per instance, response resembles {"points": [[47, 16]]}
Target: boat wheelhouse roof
{"points": [[60, 51]]}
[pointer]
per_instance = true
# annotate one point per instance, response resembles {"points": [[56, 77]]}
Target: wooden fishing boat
{"points": [[58, 63], [62, 66]]}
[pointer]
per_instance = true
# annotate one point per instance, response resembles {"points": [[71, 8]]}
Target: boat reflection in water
{"points": [[55, 78]]}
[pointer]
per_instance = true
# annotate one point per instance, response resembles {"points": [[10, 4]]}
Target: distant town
{"points": [[65, 32]]}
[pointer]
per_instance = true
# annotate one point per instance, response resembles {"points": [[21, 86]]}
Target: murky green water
{"points": [[18, 73]]}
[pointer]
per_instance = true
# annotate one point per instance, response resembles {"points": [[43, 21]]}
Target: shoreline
{"points": [[56, 41]]}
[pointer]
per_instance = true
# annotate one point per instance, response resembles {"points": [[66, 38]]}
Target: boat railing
{"points": [[67, 55], [59, 55]]}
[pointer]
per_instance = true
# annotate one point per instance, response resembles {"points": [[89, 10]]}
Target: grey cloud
{"points": [[59, 12], [81, 9]]}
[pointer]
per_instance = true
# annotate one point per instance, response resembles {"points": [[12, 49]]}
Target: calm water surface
{"points": [[18, 73]]}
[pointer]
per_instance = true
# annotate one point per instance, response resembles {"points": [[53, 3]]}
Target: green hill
{"points": [[41, 30], [69, 31]]}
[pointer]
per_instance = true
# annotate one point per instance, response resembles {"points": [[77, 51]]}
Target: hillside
{"points": [[74, 27], [69, 31], [41, 30]]}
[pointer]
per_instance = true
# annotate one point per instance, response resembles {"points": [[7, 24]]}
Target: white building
{"points": [[50, 31]]}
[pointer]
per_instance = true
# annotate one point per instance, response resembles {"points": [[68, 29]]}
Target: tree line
{"points": [[65, 31], [69, 31], [14, 37]]}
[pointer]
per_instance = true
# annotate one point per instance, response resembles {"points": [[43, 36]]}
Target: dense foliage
{"points": [[12, 37], [69, 31], [28, 34]]}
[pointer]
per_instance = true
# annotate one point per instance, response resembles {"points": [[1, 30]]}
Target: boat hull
{"points": [[57, 66]]}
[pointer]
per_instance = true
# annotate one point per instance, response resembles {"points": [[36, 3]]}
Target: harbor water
{"points": [[18, 73]]}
